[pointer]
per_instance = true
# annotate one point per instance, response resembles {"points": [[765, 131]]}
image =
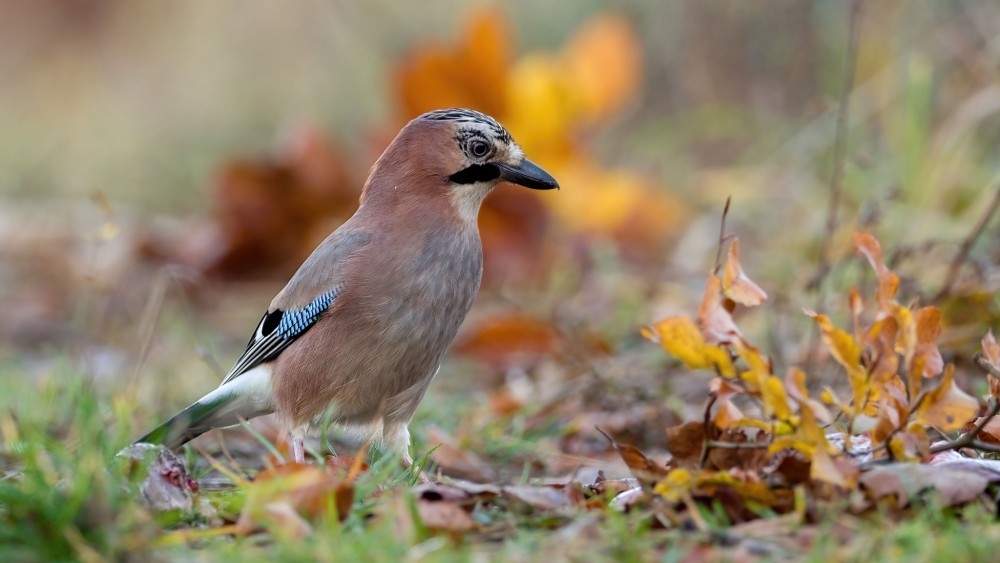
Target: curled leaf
{"points": [[735, 283]]}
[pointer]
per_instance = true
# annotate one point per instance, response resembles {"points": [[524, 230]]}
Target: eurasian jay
{"points": [[363, 324]]}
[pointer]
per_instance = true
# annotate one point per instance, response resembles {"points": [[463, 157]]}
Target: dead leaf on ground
{"points": [[457, 461], [445, 517], [644, 469], [951, 486]]}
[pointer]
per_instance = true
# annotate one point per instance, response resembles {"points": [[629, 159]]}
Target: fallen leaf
{"points": [[644, 469], [445, 517], [951, 486], [455, 460], [507, 338], [685, 443]]}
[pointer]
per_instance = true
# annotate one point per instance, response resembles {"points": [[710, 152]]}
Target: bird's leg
{"points": [[397, 438], [298, 435]]}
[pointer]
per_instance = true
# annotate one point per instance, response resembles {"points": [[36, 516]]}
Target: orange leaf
{"points": [[928, 321], [735, 283], [604, 59], [471, 73], [507, 338], [947, 407]]}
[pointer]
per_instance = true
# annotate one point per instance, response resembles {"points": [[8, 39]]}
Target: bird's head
{"points": [[458, 153]]}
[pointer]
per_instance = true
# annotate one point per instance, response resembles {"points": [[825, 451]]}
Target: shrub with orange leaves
{"points": [[886, 361]]}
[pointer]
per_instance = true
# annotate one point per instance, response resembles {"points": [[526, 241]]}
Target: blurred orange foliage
{"points": [[548, 100]]}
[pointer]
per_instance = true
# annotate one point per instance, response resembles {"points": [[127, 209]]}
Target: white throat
{"points": [[468, 198]]}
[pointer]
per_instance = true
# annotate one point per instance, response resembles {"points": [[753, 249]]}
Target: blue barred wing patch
{"points": [[277, 330], [294, 323]]}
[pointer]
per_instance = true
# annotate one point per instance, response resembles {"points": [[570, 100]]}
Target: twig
{"points": [[716, 444], [968, 438], [723, 237], [963, 251], [985, 363], [707, 425], [840, 144], [985, 446]]}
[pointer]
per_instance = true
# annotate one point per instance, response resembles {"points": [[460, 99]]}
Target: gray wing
{"points": [[307, 296]]}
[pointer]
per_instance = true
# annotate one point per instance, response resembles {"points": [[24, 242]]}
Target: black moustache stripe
{"points": [[475, 173]]}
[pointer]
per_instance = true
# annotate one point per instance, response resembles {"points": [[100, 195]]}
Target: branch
{"points": [[963, 251], [723, 237], [717, 444], [707, 425], [840, 143]]}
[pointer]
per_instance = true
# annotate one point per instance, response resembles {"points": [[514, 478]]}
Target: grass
{"points": [[62, 499]]}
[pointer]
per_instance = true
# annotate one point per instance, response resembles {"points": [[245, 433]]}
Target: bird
{"points": [[361, 328]]}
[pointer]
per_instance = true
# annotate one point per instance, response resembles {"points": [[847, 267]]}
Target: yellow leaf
{"points": [[847, 353], [824, 468], [735, 283], [681, 338], [675, 485], [946, 406], [775, 399]]}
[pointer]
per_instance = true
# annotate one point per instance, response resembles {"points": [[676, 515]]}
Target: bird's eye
{"points": [[479, 148]]}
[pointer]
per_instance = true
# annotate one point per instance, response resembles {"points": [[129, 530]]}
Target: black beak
{"points": [[527, 174]]}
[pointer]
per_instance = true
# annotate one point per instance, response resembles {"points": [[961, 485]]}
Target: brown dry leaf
{"points": [[508, 338], [269, 213], [872, 250], [888, 281], [928, 321], [735, 283], [952, 486], [456, 461], [305, 488], [539, 498], [445, 517], [990, 348], [991, 352], [750, 458], [714, 318], [685, 443], [727, 415], [471, 73], [989, 469], [644, 469], [946, 406], [990, 432]]}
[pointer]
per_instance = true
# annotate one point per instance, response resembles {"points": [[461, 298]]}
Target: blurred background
{"points": [[165, 167]]}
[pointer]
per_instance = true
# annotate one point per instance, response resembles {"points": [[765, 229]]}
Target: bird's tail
{"points": [[228, 405]]}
